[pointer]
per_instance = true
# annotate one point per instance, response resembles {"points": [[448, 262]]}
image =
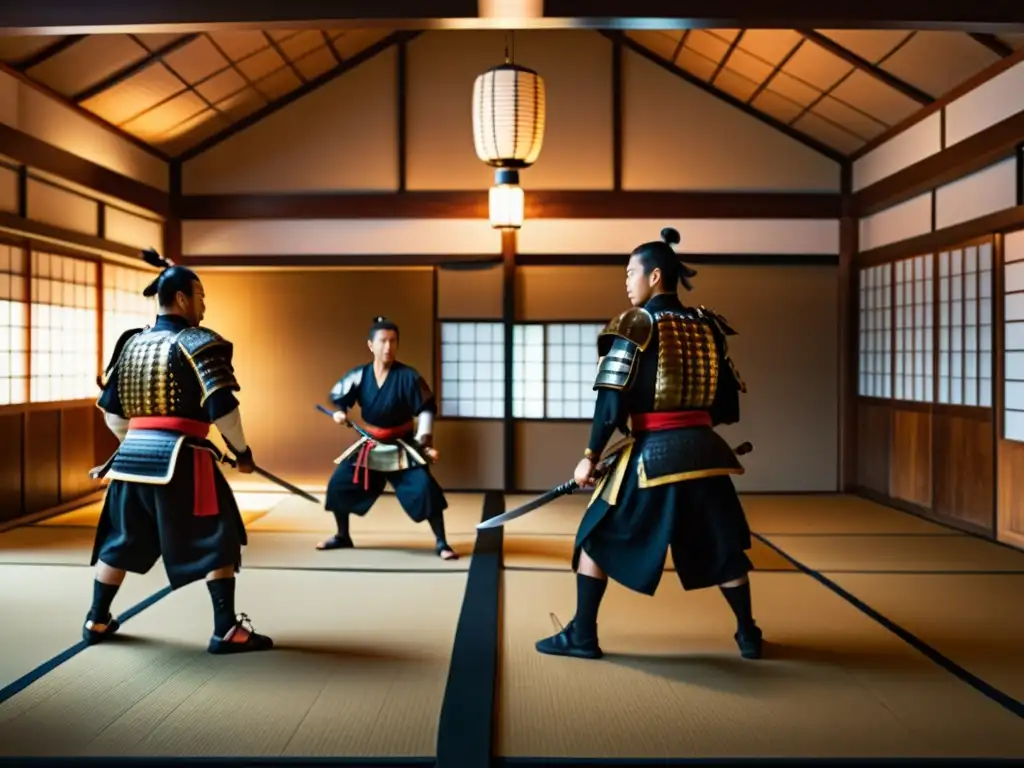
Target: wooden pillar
{"points": [[508, 316], [848, 336]]}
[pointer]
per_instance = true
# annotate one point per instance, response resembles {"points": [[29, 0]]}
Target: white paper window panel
{"points": [[1014, 336], [1013, 424], [471, 333], [1013, 307], [1013, 395]]}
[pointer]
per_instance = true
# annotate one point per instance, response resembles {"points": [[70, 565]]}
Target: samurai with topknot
{"points": [[164, 387], [398, 410], [665, 378]]}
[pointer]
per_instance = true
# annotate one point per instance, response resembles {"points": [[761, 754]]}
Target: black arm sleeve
{"points": [[607, 418]]}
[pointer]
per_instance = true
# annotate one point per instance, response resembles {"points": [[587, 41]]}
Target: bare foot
{"points": [[447, 553]]}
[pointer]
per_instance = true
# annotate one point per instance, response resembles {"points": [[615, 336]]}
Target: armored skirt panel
{"points": [[633, 519]]}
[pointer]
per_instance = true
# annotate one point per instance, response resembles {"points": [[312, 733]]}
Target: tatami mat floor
{"points": [[366, 636]]}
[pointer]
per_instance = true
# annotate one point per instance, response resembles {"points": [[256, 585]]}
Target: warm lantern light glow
{"points": [[508, 116], [506, 201]]}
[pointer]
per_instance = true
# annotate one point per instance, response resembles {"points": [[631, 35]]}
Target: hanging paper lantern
{"points": [[506, 201], [508, 116]]}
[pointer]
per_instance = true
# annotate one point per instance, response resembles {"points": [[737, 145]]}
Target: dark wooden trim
{"points": [[38, 154], [316, 260], [778, 125], [38, 232], [924, 513], [947, 237], [998, 363], [540, 204], [172, 244], [307, 88], [508, 319], [48, 53], [867, 67], [83, 112], [717, 259], [996, 69], [962, 159], [123, 74], [993, 43], [849, 336], [402, 97], [22, 191], [617, 115]]}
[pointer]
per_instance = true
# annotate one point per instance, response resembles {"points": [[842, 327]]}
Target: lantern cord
{"points": [[510, 44]]}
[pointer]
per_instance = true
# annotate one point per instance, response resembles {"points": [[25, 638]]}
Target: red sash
{"points": [[661, 421], [381, 434], [205, 491]]}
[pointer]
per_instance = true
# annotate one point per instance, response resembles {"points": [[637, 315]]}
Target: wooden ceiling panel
{"points": [[221, 85], [316, 63], [867, 94], [261, 64], [937, 62], [769, 45], [665, 43], [241, 104], [1015, 41], [794, 89], [696, 64], [197, 61], [87, 62], [280, 83], [815, 66], [159, 121], [303, 43], [748, 65], [16, 49], [828, 132], [155, 41], [777, 106], [193, 131], [707, 44], [852, 119], [735, 84], [143, 90], [238, 45], [871, 45], [358, 40]]}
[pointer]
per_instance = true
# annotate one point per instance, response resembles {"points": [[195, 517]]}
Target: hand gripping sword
{"points": [[567, 488]]}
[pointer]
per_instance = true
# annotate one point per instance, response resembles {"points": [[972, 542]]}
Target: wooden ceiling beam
{"points": [[47, 53], [993, 43], [123, 74]]}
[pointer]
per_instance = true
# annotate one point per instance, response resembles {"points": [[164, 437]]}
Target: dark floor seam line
{"points": [[225, 762], [291, 568], [1003, 699], [665, 762], [465, 732], [46, 667]]}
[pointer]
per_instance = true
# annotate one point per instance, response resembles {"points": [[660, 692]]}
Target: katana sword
{"points": [[429, 454], [567, 488], [274, 479]]}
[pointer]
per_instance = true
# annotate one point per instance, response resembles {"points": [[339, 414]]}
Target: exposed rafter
{"points": [[306, 89], [48, 52], [993, 43], [727, 98], [121, 75], [867, 67]]}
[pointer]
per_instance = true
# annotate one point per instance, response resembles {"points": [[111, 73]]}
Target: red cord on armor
{"points": [[363, 457]]}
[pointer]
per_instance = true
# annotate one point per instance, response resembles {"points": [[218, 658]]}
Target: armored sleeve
{"points": [[619, 346], [210, 357], [345, 393]]}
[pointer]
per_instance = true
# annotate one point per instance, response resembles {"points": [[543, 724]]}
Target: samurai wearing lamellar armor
{"points": [[165, 386]]}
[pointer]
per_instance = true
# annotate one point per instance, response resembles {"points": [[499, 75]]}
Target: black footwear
{"points": [[254, 642], [92, 636], [568, 642], [442, 547], [336, 542], [749, 643]]}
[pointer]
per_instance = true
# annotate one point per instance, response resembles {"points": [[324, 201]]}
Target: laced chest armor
{"points": [[173, 372]]}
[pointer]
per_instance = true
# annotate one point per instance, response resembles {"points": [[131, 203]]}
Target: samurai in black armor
{"points": [[163, 388], [664, 378]]}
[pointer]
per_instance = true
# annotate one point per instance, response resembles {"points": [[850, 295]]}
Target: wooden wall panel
{"points": [[964, 467], [911, 477], [12, 429], [42, 460], [104, 441], [874, 436], [77, 452], [1011, 492]]}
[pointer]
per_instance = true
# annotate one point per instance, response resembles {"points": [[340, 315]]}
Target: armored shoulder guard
{"points": [[210, 356], [104, 379], [724, 329], [616, 368], [346, 384], [717, 320], [635, 326]]}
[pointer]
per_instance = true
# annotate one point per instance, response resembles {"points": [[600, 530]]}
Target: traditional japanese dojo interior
{"points": [[851, 195]]}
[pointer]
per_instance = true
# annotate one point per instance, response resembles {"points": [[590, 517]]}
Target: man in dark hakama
{"points": [[163, 388], [665, 367], [398, 409]]}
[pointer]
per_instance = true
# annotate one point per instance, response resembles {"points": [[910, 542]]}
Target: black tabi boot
{"points": [[579, 637], [340, 540], [100, 622], [748, 635], [226, 625], [441, 547]]}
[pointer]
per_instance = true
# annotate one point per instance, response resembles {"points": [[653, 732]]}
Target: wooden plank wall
{"points": [[45, 456]]}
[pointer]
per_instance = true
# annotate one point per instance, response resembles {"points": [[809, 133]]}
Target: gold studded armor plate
{"points": [[687, 376], [172, 373]]}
